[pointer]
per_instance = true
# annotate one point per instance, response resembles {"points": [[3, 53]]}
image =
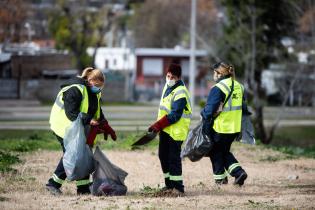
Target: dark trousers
{"points": [[222, 159], [169, 155], [60, 173]]}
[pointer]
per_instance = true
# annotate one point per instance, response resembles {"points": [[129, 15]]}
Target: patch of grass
{"points": [[6, 160], [124, 142], [149, 191], [27, 141], [296, 151], [301, 136], [262, 205]]}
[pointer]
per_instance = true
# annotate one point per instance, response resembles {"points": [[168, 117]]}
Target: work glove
{"points": [[159, 125], [92, 135], [105, 128]]}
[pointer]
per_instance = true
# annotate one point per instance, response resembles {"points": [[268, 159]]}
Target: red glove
{"points": [[92, 135], [105, 128], [159, 125]]}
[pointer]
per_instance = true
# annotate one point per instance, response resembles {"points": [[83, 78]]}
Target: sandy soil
{"points": [[274, 182]]}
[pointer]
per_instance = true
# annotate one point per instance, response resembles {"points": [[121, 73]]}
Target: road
{"points": [[31, 115]]}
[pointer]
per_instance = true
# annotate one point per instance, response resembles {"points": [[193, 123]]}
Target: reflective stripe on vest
{"points": [[58, 119], [179, 130], [229, 120]]}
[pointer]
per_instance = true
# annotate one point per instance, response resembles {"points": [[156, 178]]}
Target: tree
{"points": [[76, 27], [252, 40], [12, 16], [165, 24]]}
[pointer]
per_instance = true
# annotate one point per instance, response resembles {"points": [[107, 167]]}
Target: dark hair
{"points": [[175, 69]]}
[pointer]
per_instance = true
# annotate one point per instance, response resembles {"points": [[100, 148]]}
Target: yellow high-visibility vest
{"points": [[179, 130], [229, 120], [58, 120]]}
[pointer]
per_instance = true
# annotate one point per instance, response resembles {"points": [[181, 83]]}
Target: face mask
{"points": [[95, 89], [170, 82]]}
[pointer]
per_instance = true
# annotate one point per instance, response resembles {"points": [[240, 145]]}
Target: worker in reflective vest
{"points": [[173, 124], [224, 127], [80, 95]]}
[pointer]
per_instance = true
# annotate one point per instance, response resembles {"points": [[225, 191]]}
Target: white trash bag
{"points": [[78, 159]]}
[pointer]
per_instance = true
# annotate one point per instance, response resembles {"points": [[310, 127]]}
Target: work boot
{"points": [[239, 180], [83, 190], [53, 190], [221, 181]]}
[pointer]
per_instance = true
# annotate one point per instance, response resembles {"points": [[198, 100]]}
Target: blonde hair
{"points": [[225, 70], [90, 73]]}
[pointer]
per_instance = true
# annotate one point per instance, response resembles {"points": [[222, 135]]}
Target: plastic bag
{"points": [[78, 159], [247, 135], [197, 144], [108, 179]]}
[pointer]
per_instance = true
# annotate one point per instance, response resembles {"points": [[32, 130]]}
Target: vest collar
{"points": [[223, 78]]}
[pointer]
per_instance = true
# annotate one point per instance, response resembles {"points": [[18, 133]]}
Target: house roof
{"points": [[4, 57], [168, 52]]}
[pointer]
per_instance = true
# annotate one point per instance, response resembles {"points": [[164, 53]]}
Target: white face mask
{"points": [[170, 82]]}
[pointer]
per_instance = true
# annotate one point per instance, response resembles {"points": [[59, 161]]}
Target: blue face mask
{"points": [[95, 89]]}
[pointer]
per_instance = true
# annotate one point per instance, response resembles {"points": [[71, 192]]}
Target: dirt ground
{"points": [[274, 182]]}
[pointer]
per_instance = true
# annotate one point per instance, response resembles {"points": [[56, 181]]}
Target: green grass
{"points": [[15, 142], [296, 141], [303, 136], [27, 141], [7, 160]]}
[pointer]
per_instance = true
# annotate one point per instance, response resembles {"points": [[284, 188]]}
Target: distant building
{"points": [[277, 81], [151, 65], [116, 59]]}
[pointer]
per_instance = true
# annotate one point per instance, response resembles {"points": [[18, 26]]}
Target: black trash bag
{"points": [[108, 179], [197, 145]]}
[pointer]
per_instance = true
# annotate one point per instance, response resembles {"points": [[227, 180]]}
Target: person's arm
{"points": [[178, 107], [215, 97], [72, 101]]}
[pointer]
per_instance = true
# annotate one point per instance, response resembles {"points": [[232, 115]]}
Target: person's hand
{"points": [[159, 125], [94, 122], [108, 130]]}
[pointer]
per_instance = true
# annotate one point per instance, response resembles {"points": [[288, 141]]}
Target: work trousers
{"points": [[169, 155], [223, 161], [59, 175]]}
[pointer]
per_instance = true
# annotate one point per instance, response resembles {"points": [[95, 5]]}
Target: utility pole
{"points": [[192, 58]]}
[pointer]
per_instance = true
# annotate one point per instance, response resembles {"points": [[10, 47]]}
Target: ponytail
{"points": [[86, 72], [231, 71], [90, 73], [225, 69]]}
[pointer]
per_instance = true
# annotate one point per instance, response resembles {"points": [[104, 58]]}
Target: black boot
{"points": [[53, 189], [239, 180], [83, 190]]}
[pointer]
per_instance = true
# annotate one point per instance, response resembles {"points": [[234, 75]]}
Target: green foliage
{"points": [[27, 141], [6, 160], [149, 191], [76, 30], [272, 21]]}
